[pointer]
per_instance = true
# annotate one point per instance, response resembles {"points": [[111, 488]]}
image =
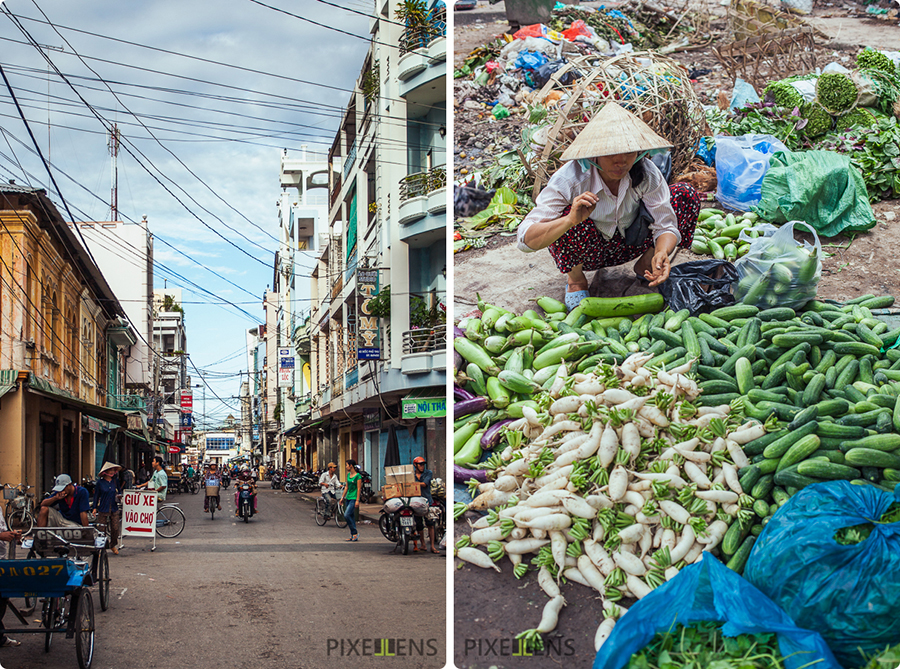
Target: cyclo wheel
{"points": [[103, 579], [321, 506], [49, 614], [169, 522], [84, 629]]}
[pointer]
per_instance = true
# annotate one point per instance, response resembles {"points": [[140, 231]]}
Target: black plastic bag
{"points": [[699, 286], [544, 72]]}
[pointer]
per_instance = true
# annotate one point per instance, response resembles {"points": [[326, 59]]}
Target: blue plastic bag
{"points": [[708, 590], [851, 594], [530, 60], [741, 164]]}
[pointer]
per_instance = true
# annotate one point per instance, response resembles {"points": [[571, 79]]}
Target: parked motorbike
{"points": [[308, 481], [245, 501], [398, 520], [367, 494]]}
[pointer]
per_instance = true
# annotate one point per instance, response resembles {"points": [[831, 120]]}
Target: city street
{"points": [[279, 590]]}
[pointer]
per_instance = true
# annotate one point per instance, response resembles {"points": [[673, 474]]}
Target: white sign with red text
{"points": [[139, 513]]}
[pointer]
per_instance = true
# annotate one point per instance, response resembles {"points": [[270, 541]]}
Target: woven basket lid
{"points": [[614, 130]]}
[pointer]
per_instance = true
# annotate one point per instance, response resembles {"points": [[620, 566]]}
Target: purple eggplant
{"points": [[462, 475], [461, 394], [458, 333], [467, 407], [491, 436], [457, 360]]}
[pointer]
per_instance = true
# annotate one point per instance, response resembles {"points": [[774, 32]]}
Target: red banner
{"points": [[187, 400]]}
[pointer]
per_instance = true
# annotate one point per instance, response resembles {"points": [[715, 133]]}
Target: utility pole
{"points": [[155, 396], [114, 152]]}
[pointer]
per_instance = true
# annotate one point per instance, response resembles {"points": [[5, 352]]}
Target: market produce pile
{"points": [[854, 113], [614, 445]]}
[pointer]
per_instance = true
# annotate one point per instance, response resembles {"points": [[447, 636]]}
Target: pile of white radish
{"points": [[602, 490]]}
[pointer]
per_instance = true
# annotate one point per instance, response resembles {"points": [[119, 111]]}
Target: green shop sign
{"points": [[423, 407]]}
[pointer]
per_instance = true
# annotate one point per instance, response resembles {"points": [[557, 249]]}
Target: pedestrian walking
{"points": [[105, 504], [350, 497]]}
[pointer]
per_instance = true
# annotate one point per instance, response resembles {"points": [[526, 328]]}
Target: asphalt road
{"points": [[278, 592]]}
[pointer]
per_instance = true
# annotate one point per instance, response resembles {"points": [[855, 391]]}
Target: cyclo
{"points": [[61, 583]]}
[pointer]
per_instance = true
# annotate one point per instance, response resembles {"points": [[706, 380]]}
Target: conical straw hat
{"points": [[614, 130], [109, 465]]}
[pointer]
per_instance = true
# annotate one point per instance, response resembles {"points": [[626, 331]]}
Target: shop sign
{"points": [[423, 407], [135, 422], [139, 513], [187, 400], [368, 335], [371, 420], [285, 367]]}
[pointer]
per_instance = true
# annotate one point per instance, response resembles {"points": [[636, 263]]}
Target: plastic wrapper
{"points": [[419, 505], [544, 72], [700, 286], [710, 591], [778, 271], [393, 505], [850, 593], [741, 164]]}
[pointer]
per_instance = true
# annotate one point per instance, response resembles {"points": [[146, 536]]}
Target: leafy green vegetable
{"points": [[856, 534], [836, 92], [889, 659], [859, 116], [784, 94], [875, 59], [702, 646]]}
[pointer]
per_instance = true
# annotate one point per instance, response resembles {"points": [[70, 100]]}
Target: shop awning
{"points": [[158, 446], [45, 389], [8, 380]]}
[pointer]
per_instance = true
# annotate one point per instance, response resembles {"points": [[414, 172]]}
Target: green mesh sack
{"points": [[820, 187]]}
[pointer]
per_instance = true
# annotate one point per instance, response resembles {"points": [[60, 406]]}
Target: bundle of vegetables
{"points": [[872, 58], [783, 94], [776, 275], [889, 659], [717, 234], [703, 645], [836, 92], [856, 534], [858, 117], [818, 120], [615, 480]]}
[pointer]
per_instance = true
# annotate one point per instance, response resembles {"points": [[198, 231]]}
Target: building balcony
{"points": [[424, 350], [423, 205]]}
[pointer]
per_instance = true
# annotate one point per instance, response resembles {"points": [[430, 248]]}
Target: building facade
{"points": [[377, 331], [63, 344]]}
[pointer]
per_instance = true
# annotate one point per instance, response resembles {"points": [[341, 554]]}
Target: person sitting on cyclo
{"points": [[68, 507], [244, 476], [329, 483], [213, 480]]}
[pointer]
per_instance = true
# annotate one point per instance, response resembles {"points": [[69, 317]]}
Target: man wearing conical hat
{"points": [[589, 215]]}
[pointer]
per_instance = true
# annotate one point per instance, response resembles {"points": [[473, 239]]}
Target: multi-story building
{"points": [[63, 344], [378, 329], [171, 363]]}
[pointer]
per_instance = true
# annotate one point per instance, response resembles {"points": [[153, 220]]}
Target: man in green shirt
{"points": [[159, 481]]}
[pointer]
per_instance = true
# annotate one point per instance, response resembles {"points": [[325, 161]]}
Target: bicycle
{"points": [[326, 510], [19, 512], [169, 520]]}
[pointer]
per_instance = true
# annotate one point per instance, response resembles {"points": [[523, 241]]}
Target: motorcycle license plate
{"points": [[407, 521]]}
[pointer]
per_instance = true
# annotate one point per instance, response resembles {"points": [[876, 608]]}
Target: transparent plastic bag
{"points": [[778, 271], [849, 593], [741, 164], [710, 591]]}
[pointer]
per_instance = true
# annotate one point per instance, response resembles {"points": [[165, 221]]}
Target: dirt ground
{"points": [[490, 607]]}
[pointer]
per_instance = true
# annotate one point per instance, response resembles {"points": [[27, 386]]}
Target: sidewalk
{"points": [[366, 511]]}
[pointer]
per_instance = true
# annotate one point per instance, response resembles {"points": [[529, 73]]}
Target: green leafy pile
{"points": [[856, 534], [875, 59], [836, 92], [886, 86], [875, 152], [858, 117], [702, 646], [889, 659], [784, 94], [764, 118]]}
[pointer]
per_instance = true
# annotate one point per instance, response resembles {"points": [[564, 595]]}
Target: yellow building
{"points": [[63, 337]]}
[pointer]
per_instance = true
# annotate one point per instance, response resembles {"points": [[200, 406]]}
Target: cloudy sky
{"points": [[206, 95]]}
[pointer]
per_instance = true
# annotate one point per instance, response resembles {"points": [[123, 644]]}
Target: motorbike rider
{"points": [[213, 479], [424, 476], [244, 476], [329, 483]]}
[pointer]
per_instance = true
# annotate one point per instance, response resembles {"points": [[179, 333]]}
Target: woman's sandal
{"points": [[10, 643], [435, 551], [574, 298]]}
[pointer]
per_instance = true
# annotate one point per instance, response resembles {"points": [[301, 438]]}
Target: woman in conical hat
{"points": [[589, 215]]}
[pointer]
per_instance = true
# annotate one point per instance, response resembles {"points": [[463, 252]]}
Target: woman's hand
{"points": [[582, 206], [659, 269]]}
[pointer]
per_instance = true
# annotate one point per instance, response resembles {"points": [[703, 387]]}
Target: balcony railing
{"points": [[351, 158], [425, 340], [422, 183], [418, 35]]}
